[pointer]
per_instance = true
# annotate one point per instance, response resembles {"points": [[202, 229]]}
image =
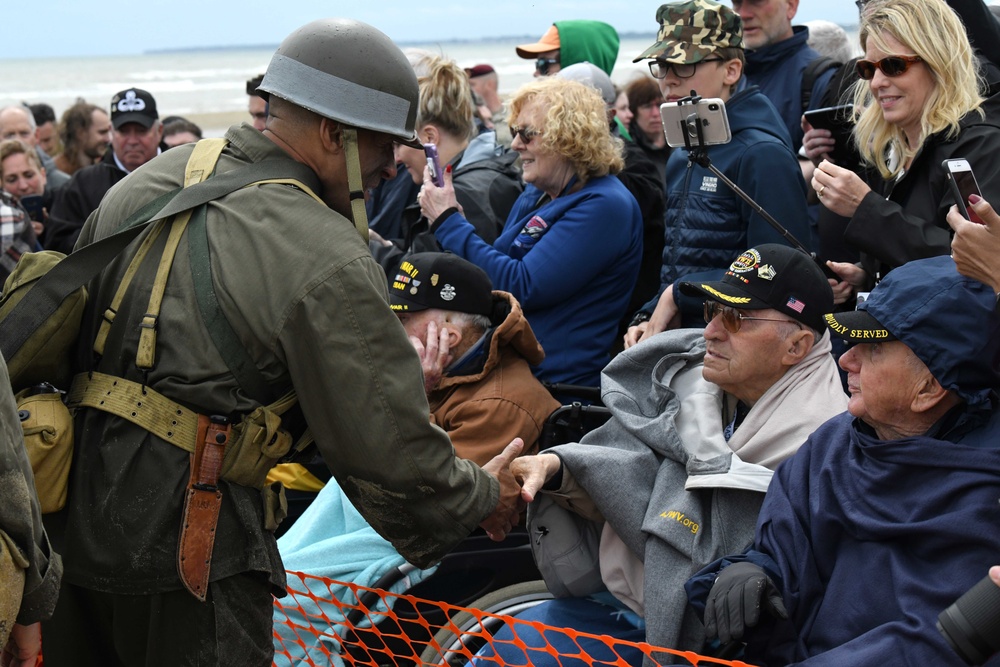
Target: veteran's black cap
{"points": [[440, 280], [775, 276]]}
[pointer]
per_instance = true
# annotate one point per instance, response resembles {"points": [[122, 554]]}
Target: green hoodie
{"points": [[587, 41]]}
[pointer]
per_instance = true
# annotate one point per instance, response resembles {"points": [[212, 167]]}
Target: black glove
{"points": [[735, 601]]}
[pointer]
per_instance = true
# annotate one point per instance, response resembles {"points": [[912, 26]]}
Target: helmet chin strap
{"points": [[352, 160]]}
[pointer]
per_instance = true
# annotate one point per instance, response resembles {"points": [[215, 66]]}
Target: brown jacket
{"points": [[483, 412]]}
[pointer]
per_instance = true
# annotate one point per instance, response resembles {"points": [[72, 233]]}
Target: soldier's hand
{"points": [[509, 506], [23, 646]]}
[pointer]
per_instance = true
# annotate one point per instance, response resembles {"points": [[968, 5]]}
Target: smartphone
{"points": [[830, 118], [431, 151], [840, 124], [963, 184], [33, 205], [681, 121]]}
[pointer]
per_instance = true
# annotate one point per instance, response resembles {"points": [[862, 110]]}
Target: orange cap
{"points": [[548, 42]]}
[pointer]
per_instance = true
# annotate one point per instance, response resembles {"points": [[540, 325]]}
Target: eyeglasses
{"points": [[659, 68], [891, 66], [526, 133], [542, 65], [733, 319]]}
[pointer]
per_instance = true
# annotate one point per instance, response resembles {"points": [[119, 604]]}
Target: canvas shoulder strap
{"points": [[81, 266]]}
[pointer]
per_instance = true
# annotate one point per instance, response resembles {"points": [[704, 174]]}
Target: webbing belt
{"points": [[139, 404]]}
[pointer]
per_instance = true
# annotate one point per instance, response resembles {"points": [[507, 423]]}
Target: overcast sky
{"points": [[61, 28]]}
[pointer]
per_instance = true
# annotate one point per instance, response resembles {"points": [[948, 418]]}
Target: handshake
{"points": [[520, 479]]}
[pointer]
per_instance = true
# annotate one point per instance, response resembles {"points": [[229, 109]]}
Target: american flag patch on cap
{"points": [[795, 304]]}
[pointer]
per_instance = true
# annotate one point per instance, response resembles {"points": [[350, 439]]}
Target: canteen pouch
{"points": [[47, 355], [275, 505], [48, 438], [257, 443]]}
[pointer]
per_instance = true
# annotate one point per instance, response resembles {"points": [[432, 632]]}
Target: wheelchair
{"points": [[502, 576]]}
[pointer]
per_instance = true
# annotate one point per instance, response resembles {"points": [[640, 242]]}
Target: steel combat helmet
{"points": [[692, 31], [349, 72]]}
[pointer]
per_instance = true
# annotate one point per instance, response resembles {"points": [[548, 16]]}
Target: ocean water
{"points": [[200, 83], [210, 86]]}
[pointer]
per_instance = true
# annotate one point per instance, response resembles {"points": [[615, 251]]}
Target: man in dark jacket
{"points": [[887, 514], [135, 140], [777, 58]]}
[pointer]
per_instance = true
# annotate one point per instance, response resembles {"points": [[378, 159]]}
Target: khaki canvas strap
{"points": [[139, 404], [355, 182], [145, 407], [291, 181], [199, 166], [116, 302], [145, 354]]}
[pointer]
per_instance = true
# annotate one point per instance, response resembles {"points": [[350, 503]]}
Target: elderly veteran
{"points": [[476, 350], [676, 477], [888, 513]]}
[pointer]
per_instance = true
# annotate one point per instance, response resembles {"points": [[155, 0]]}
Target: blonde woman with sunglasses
{"points": [[919, 101]]}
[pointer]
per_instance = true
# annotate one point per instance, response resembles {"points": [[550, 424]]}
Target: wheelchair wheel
{"points": [[508, 601]]}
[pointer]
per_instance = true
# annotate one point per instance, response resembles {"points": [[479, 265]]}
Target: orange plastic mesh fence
{"points": [[325, 622]]}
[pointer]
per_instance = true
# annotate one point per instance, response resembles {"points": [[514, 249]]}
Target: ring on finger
{"points": [[819, 193]]}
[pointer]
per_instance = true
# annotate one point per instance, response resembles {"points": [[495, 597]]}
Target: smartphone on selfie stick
{"points": [[963, 184], [696, 124], [434, 163]]}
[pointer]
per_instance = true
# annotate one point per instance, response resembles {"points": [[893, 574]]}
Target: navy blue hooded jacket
{"points": [[871, 539], [707, 224]]}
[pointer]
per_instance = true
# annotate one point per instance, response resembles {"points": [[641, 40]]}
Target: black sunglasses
{"points": [[660, 68], [526, 133], [891, 66], [732, 319], [542, 65]]}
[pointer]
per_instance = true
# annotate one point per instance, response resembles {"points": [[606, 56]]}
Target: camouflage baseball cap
{"points": [[691, 31]]}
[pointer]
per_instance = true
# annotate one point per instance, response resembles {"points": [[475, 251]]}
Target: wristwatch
{"points": [[640, 317]]}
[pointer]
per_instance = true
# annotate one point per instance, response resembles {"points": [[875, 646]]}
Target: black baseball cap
{"points": [[775, 276], [133, 105], [440, 280]]}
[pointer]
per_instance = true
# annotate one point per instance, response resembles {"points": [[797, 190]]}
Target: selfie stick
{"points": [[699, 155]]}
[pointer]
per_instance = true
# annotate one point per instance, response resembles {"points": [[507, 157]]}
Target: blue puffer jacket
{"points": [[777, 69], [707, 224]]}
